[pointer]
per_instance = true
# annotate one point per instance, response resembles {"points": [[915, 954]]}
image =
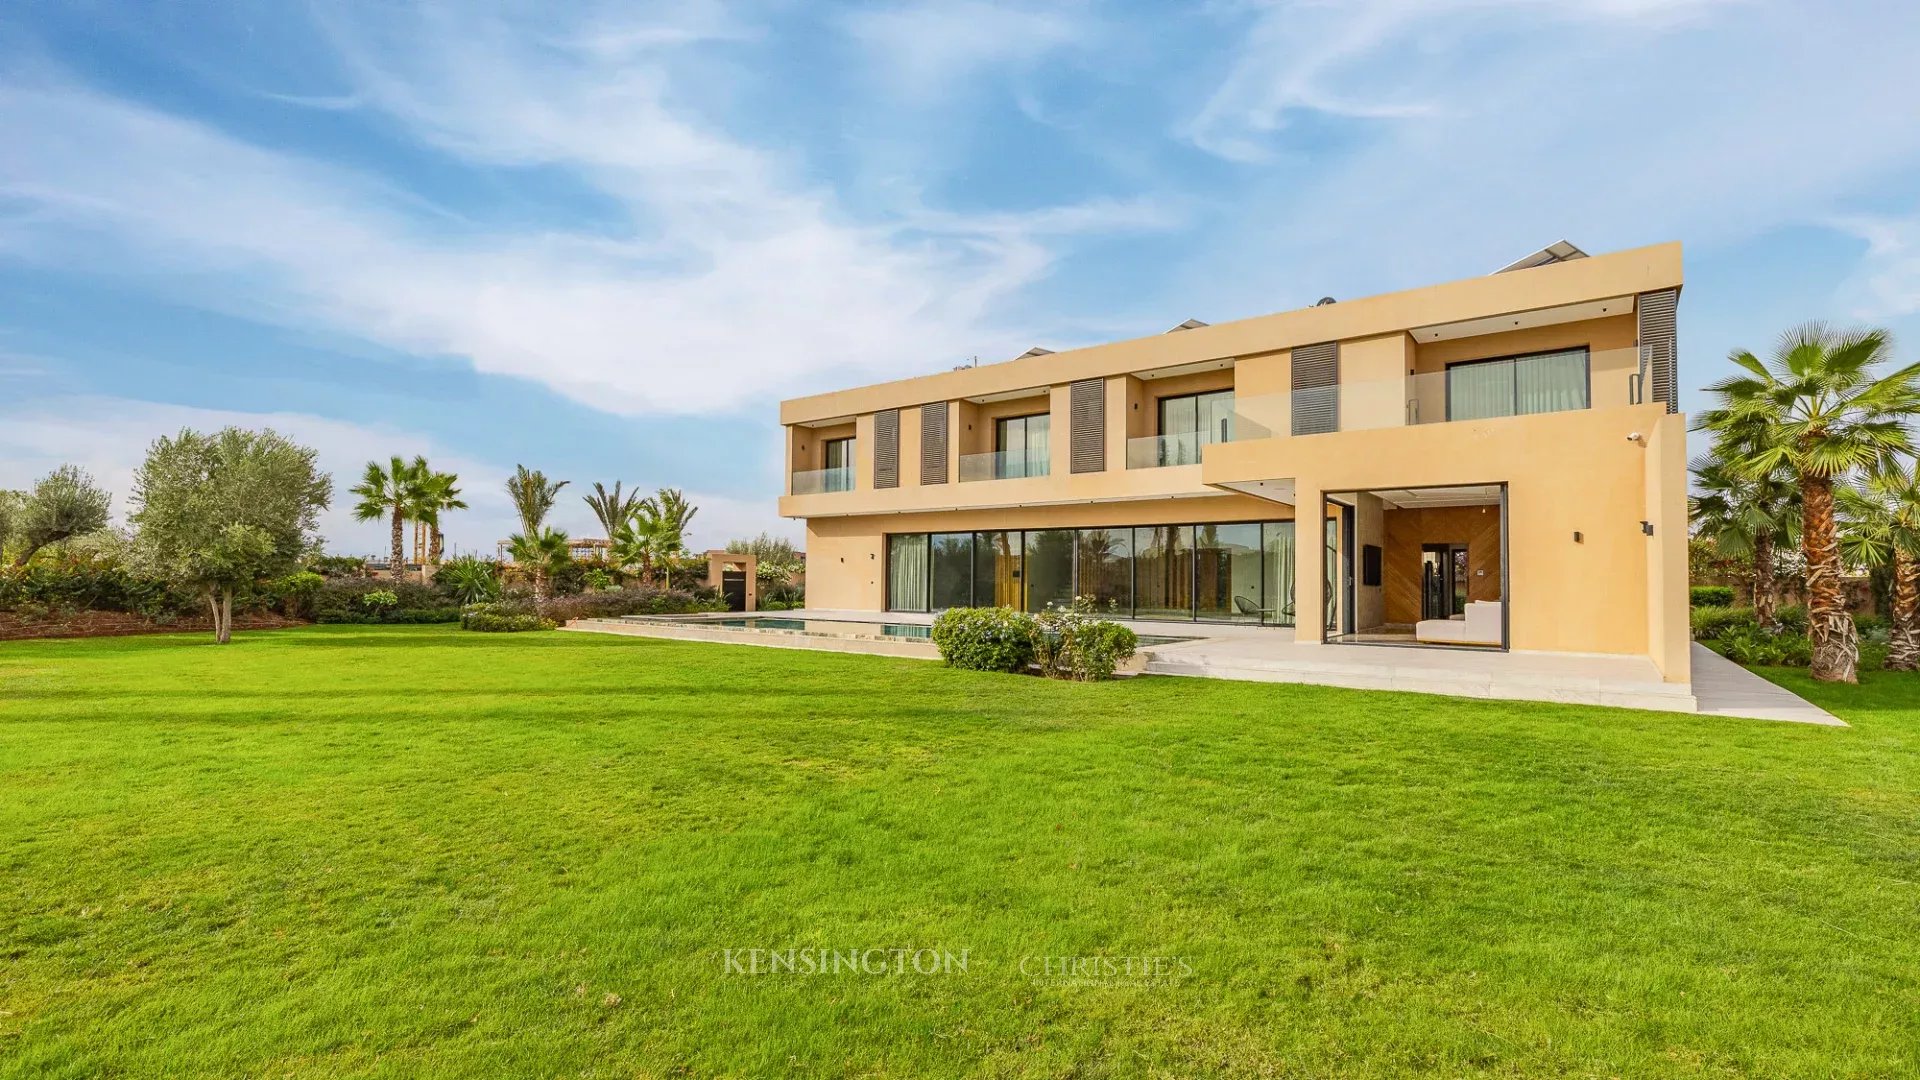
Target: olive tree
{"points": [[63, 504], [220, 513]]}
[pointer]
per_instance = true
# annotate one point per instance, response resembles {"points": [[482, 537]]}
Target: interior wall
{"points": [[1369, 527], [1407, 531]]}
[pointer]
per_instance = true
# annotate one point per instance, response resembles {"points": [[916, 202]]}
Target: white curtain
{"points": [[1279, 571], [1478, 391], [1550, 382], [907, 572]]}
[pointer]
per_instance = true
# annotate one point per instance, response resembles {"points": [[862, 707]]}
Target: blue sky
{"points": [[606, 239]]}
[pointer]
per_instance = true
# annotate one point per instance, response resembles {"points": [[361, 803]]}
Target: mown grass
{"points": [[409, 852]]}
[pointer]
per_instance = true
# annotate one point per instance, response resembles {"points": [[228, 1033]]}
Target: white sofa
{"points": [[1480, 626]]}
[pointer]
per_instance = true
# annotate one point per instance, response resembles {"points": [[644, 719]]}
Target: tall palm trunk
{"points": [[436, 544], [1836, 645], [399, 566], [1903, 651], [1763, 602]]}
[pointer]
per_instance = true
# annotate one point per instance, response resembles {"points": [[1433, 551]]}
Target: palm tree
{"points": [[611, 507], [1818, 408], [436, 494], [633, 549], [532, 494], [660, 521], [1883, 528], [542, 554], [1745, 516], [384, 492]]}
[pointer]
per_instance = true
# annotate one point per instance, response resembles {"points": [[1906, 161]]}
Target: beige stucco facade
{"points": [[1592, 503]]}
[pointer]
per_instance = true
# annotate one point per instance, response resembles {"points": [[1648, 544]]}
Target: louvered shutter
{"points": [[886, 448], [1659, 318], [1316, 389], [933, 443], [1088, 422]]}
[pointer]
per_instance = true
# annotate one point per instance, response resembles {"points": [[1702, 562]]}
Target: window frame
{"points": [[1586, 379]]}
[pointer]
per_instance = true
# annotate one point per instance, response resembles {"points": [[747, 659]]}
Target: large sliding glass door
{"points": [[1227, 573], [1236, 572]]}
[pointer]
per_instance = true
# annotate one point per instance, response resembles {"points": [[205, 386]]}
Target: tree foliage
{"points": [[613, 508], [533, 495], [1819, 408], [220, 513], [63, 504]]}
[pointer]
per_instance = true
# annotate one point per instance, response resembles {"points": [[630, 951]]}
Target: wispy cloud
{"points": [[1887, 283], [1377, 60], [926, 47], [736, 279]]}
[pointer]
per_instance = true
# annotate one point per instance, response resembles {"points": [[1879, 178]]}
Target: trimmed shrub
{"points": [[986, 639], [1711, 623], [344, 600], [502, 622], [1711, 596]]}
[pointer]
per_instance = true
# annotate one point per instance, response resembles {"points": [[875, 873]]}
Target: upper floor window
{"points": [[1020, 445], [1191, 421], [836, 455], [1518, 385]]}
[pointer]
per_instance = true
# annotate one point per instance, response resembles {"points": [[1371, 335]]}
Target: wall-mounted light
{"points": [[1647, 527], [1579, 538]]}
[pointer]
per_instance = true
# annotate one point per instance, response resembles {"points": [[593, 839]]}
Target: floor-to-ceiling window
{"points": [[836, 457], [1518, 385], [996, 569], [952, 570], [1277, 570], [1103, 565], [1163, 572], [1020, 446], [1190, 421], [1227, 573], [1242, 571], [907, 572], [1049, 568]]}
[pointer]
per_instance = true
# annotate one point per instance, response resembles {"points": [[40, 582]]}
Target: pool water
{"points": [[846, 628]]}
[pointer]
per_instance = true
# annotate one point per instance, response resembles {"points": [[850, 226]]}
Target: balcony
{"points": [[820, 481], [1160, 451], [1003, 465], [1474, 390]]}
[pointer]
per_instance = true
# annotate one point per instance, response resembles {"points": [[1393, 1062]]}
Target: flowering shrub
{"points": [[985, 639], [491, 619], [1073, 643]]}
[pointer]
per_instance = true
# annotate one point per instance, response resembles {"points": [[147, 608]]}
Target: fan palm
{"points": [[532, 494], [1746, 516], [1818, 408], [660, 524], [542, 554], [1883, 529], [434, 495], [611, 507], [387, 492]]}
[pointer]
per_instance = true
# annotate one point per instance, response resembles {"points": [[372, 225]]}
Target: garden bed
{"points": [[80, 624]]}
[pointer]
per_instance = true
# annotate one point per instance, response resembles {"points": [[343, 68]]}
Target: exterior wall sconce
{"points": [[1579, 538], [1647, 527]]}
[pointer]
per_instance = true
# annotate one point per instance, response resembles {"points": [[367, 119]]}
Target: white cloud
{"points": [[1887, 283], [109, 438], [734, 280], [1379, 60], [926, 47]]}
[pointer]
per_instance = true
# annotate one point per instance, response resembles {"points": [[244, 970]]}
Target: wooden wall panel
{"points": [[1475, 526]]}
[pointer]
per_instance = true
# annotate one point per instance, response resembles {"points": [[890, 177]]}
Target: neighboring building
{"points": [[1498, 463]]}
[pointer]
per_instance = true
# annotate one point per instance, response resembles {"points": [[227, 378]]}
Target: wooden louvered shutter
{"points": [[886, 448], [1659, 315], [1316, 389], [1087, 418], [933, 443]]}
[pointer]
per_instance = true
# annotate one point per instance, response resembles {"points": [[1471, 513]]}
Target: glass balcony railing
{"points": [[819, 481], [1159, 451], [1473, 390], [1004, 465]]}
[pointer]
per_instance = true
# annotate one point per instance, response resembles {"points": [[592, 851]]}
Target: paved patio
{"points": [[1267, 654]]}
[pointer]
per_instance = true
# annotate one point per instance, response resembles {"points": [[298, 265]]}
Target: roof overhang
{"points": [[1523, 320]]}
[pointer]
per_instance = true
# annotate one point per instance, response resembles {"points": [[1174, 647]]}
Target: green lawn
{"points": [[412, 852]]}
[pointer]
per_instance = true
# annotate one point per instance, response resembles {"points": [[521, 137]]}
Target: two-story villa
{"points": [[1494, 463]]}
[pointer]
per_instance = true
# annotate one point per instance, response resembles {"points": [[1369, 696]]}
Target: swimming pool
{"points": [[837, 628]]}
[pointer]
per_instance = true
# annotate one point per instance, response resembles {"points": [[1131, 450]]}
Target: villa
{"points": [[1491, 465]]}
